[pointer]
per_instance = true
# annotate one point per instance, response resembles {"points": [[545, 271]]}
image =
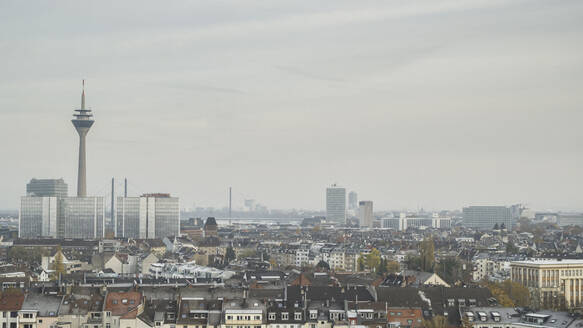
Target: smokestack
{"points": [[230, 206], [112, 203]]}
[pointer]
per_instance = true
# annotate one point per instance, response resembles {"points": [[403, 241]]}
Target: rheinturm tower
{"points": [[83, 121]]}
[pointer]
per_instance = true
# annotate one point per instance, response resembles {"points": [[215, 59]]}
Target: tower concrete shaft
{"points": [[82, 122]]}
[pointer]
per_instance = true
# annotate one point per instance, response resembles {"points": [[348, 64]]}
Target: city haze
{"points": [[437, 104]]}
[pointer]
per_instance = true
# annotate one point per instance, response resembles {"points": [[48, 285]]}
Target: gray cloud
{"points": [[430, 103]]}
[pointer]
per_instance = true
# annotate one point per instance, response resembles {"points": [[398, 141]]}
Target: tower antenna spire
{"points": [[83, 96]]}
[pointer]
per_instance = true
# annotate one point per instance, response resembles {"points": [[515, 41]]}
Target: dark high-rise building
{"points": [[47, 188], [82, 122]]}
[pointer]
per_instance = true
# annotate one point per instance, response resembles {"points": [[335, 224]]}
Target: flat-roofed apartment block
{"points": [[555, 282], [244, 313]]}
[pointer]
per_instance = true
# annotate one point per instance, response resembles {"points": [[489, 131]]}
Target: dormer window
{"points": [[450, 302], [272, 316], [284, 316], [298, 316], [313, 314]]}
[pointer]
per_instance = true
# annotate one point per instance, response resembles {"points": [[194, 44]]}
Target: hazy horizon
{"points": [[433, 104]]}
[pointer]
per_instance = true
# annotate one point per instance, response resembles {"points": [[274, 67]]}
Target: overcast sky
{"points": [[434, 104]]}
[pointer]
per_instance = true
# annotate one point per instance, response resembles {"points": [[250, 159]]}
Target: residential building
{"points": [[39, 311], [121, 309], [10, 304], [244, 313]]}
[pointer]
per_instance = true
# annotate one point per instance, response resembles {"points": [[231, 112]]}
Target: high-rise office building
{"points": [[352, 200], [336, 204], [486, 217], [147, 217], [47, 188], [365, 215], [37, 217], [81, 217], [82, 122]]}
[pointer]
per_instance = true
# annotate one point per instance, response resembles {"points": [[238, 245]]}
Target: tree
{"points": [[496, 227], [373, 259], [435, 322], [451, 270], [58, 264], [426, 251], [382, 267], [510, 294], [393, 266], [413, 262], [361, 263], [230, 254]]}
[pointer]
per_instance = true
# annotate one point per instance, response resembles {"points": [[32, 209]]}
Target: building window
{"points": [[271, 316], [284, 316], [298, 316], [313, 314]]}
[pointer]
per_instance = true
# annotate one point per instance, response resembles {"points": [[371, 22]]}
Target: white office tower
{"points": [[37, 217], [81, 217], [336, 204], [365, 215], [151, 216]]}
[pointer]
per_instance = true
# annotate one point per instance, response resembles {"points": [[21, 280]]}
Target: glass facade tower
{"points": [[152, 216]]}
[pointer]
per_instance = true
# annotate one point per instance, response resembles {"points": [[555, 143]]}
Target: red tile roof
{"points": [[11, 301], [124, 305]]}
